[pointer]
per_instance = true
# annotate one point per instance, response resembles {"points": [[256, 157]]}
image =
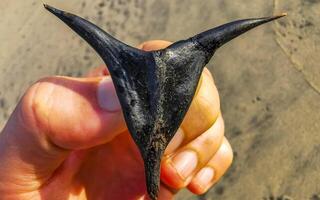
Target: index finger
{"points": [[154, 45]]}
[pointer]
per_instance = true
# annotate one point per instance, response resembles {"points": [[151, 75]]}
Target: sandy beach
{"points": [[268, 79]]}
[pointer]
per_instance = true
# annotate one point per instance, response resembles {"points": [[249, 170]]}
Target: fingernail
{"points": [[107, 96], [185, 163], [204, 177], [175, 142]]}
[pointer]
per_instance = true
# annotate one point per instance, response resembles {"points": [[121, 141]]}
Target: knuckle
{"points": [[201, 116], [209, 109], [213, 137], [208, 143], [207, 72], [204, 109], [208, 101], [32, 107], [26, 111]]}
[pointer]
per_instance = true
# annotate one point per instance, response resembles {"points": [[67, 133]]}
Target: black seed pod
{"points": [[155, 88]]}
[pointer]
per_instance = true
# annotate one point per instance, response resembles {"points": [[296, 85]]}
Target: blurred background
{"points": [[269, 78]]}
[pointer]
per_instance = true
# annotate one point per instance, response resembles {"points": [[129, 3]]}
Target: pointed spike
{"points": [[152, 171], [150, 84], [106, 46], [214, 38]]}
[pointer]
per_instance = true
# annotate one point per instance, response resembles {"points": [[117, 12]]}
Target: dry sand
{"points": [[269, 79]]}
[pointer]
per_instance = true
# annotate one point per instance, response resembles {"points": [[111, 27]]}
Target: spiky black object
{"points": [[155, 88]]}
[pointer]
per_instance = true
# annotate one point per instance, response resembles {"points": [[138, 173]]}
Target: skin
{"points": [[59, 144]]}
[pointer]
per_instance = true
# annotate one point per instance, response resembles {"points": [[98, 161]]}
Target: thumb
{"points": [[54, 117], [73, 113]]}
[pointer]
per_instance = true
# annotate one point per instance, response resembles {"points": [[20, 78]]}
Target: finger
{"points": [[98, 72], [204, 109], [153, 45], [213, 171], [177, 169], [74, 113], [55, 116]]}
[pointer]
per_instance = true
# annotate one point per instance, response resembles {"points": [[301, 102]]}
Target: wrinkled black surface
{"points": [[156, 88]]}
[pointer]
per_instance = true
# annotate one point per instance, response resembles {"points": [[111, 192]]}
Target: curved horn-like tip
{"points": [[46, 6], [214, 38], [109, 48], [50, 8], [64, 16], [276, 16]]}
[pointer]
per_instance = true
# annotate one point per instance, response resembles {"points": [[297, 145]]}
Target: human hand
{"points": [[67, 139]]}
